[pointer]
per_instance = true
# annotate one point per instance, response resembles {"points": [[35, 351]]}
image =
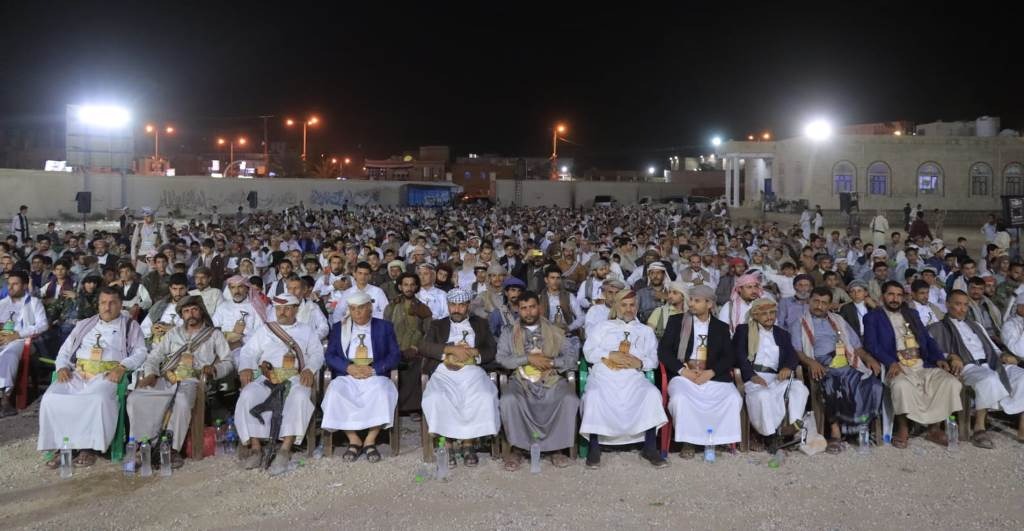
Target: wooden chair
{"points": [[394, 433], [427, 438], [506, 447]]}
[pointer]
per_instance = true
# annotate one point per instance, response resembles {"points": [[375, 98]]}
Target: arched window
{"points": [[981, 179], [1013, 179], [844, 177], [929, 179], [879, 176]]}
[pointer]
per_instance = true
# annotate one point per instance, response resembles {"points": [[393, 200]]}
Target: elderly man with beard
{"points": [[459, 402], [539, 406], [240, 315], [746, 289], [696, 351], [619, 405], [361, 352], [675, 304], [283, 351], [923, 388], [490, 298], [767, 361], [602, 309], [173, 371], [591, 287], [411, 320], [791, 309], [832, 352]]}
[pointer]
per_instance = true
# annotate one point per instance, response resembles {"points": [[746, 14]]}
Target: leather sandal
{"points": [[85, 459], [372, 455], [513, 461], [983, 440], [351, 453]]}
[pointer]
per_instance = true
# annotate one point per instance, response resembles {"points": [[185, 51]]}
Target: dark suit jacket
{"points": [[719, 343], [382, 340], [787, 356], [519, 271], [880, 340], [432, 346], [849, 312]]}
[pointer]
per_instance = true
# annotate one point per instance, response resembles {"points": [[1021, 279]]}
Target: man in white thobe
{"points": [[285, 350], [22, 317], [430, 295], [148, 236], [211, 295], [619, 405], [378, 299], [361, 353], [188, 356], [459, 401], [237, 317], [163, 315], [82, 405]]}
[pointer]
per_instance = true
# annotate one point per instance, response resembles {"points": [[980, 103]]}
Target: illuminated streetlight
{"points": [[750, 137], [150, 128], [818, 130], [650, 170], [559, 129], [231, 149], [767, 136], [313, 120], [334, 160], [716, 141], [565, 169], [348, 160], [898, 133]]}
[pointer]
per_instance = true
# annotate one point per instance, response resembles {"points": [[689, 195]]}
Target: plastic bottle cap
{"points": [[440, 441], [131, 439]]}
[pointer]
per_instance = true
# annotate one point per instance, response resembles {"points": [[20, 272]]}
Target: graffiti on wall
{"points": [[198, 200], [339, 198]]}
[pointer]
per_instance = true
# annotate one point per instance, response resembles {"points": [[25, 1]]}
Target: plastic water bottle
{"points": [[146, 455], [535, 454], [953, 434], [219, 436], [165, 457], [777, 459], [423, 473], [66, 468], [709, 448], [231, 438], [441, 458], [863, 440], [130, 451]]}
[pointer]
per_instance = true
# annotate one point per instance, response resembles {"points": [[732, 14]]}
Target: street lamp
{"points": [[150, 128], [818, 130], [313, 120], [651, 170], [559, 129], [231, 148], [716, 141]]}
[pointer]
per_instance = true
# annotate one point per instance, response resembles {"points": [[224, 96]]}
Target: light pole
{"points": [[313, 120], [231, 147], [156, 138], [559, 129]]}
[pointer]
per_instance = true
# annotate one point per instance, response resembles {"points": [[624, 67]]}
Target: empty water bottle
{"points": [[219, 437], [953, 434], [777, 459], [165, 456], [146, 455], [130, 451], [709, 448], [423, 473], [535, 454], [863, 440], [441, 458], [66, 468]]}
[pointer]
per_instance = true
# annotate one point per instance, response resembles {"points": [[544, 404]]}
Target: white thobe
{"points": [[989, 392], [170, 316], [595, 315], [578, 315], [29, 318], [712, 404], [146, 405], [142, 298], [85, 410], [211, 298], [229, 312], [298, 408], [311, 314], [766, 404], [620, 405], [924, 311], [435, 299], [377, 298], [461, 404], [358, 403], [725, 314], [585, 299]]}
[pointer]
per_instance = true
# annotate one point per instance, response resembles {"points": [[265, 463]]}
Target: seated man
{"points": [[697, 353], [766, 359], [539, 405], [22, 316], [239, 316], [361, 352], [460, 401], [832, 353], [923, 389], [619, 405], [174, 366], [163, 315], [82, 405], [211, 295], [283, 351], [995, 377], [411, 320]]}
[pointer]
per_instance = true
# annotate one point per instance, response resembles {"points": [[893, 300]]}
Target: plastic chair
{"points": [[584, 374], [427, 438], [394, 433], [506, 447], [117, 445]]}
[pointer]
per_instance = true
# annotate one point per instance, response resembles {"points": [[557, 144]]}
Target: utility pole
{"points": [[266, 144]]}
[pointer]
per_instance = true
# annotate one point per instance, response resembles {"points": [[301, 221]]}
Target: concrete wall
{"points": [[51, 195], [582, 193]]}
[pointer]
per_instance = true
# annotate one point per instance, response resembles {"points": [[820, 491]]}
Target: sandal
{"points": [[687, 451], [372, 455], [983, 440], [835, 446], [469, 457], [53, 463], [560, 460], [351, 453], [513, 461], [85, 459], [900, 442], [937, 437]]}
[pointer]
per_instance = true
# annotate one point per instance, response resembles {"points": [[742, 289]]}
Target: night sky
{"points": [[634, 87]]}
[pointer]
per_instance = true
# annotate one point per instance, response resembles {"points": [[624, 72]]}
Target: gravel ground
{"points": [[924, 487]]}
